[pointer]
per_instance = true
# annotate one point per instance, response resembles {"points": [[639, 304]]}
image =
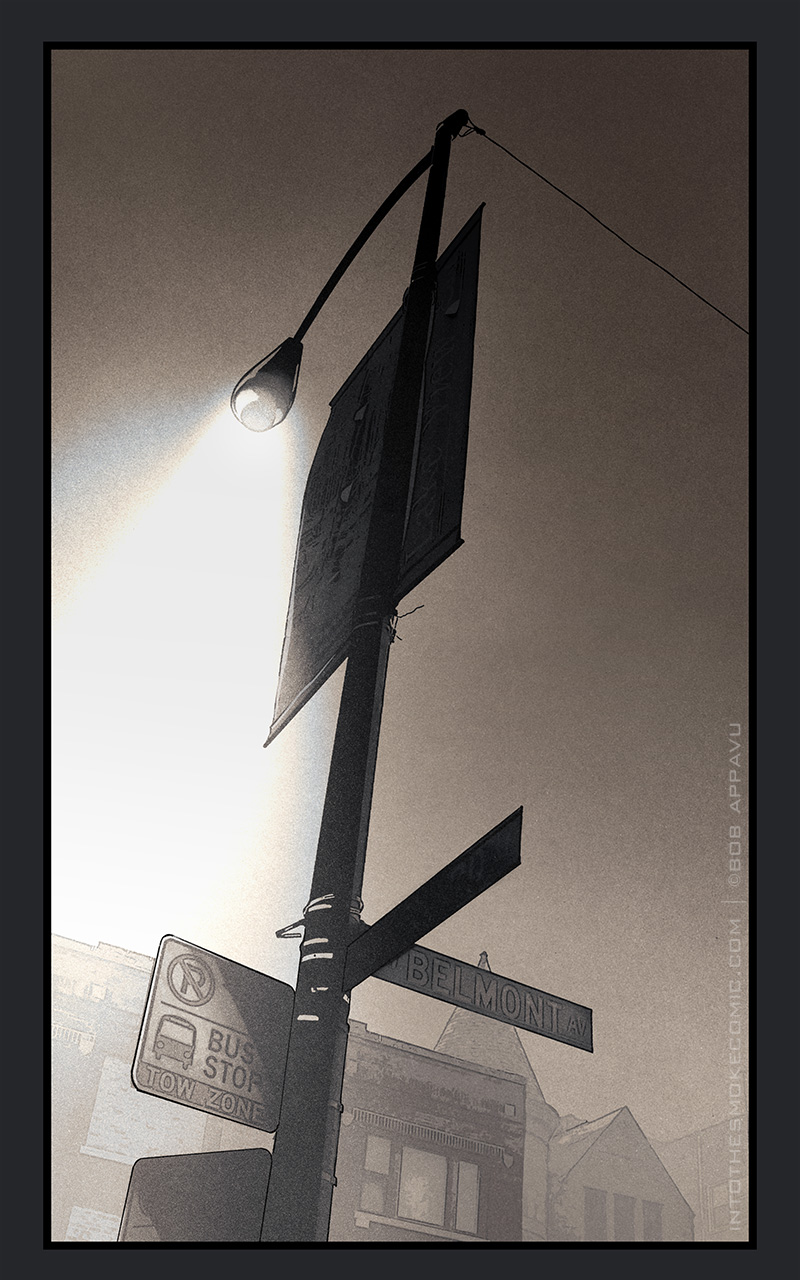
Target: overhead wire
{"points": [[473, 128]]}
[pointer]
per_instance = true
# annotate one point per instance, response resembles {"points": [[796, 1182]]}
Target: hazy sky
{"points": [[583, 654]]}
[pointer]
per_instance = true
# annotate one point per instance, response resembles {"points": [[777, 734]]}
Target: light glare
{"points": [[164, 675]]}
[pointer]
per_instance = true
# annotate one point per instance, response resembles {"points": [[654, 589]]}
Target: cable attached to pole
{"points": [[473, 128]]}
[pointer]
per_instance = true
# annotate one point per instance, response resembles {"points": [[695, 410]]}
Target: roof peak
{"points": [[489, 1042]]}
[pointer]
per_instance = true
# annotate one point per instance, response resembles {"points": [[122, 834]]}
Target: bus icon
{"points": [[175, 1038]]}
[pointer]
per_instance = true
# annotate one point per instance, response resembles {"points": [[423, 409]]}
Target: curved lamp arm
{"points": [[358, 244], [265, 394]]}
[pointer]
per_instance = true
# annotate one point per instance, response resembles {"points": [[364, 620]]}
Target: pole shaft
{"points": [[304, 1157]]}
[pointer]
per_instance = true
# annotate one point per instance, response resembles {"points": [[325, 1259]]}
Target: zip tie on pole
{"points": [[396, 618], [316, 904], [286, 932]]}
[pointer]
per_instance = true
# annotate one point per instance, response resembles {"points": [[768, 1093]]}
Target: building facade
{"points": [[605, 1182], [711, 1168], [431, 1148], [100, 1123], [455, 1144]]}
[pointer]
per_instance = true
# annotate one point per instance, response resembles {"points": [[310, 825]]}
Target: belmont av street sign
{"points": [[485, 992], [386, 949], [214, 1036]]}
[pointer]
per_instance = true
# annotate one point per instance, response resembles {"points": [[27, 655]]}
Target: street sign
{"points": [[485, 992], [337, 504], [211, 1197], [480, 866], [214, 1036]]}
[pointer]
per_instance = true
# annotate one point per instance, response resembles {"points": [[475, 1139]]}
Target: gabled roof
{"points": [[567, 1148], [473, 1037]]}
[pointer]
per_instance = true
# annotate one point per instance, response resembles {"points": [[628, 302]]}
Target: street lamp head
{"points": [[263, 397]]}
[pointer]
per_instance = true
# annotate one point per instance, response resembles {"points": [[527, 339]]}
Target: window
{"points": [[594, 1214], [377, 1154], [376, 1160], [467, 1198], [91, 1224], [651, 1214], [126, 1124], [372, 1197], [623, 1217], [423, 1182], [720, 1213]]}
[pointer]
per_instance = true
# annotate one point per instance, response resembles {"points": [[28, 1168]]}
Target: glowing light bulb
{"points": [[263, 397]]}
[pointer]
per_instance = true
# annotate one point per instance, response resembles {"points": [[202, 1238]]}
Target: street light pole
{"points": [[304, 1158]]}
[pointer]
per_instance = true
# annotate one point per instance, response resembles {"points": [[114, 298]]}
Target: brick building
{"points": [[431, 1147]]}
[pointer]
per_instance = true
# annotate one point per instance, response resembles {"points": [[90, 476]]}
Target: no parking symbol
{"points": [[190, 979]]}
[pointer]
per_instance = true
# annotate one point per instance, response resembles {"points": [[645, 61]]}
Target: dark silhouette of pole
{"points": [[304, 1158]]}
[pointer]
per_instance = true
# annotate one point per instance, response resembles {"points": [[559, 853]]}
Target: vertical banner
{"points": [[337, 503], [433, 529]]}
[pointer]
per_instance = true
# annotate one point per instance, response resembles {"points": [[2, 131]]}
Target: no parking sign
{"points": [[214, 1035]]}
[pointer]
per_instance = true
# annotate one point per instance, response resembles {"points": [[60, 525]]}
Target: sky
{"points": [[582, 655]]}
